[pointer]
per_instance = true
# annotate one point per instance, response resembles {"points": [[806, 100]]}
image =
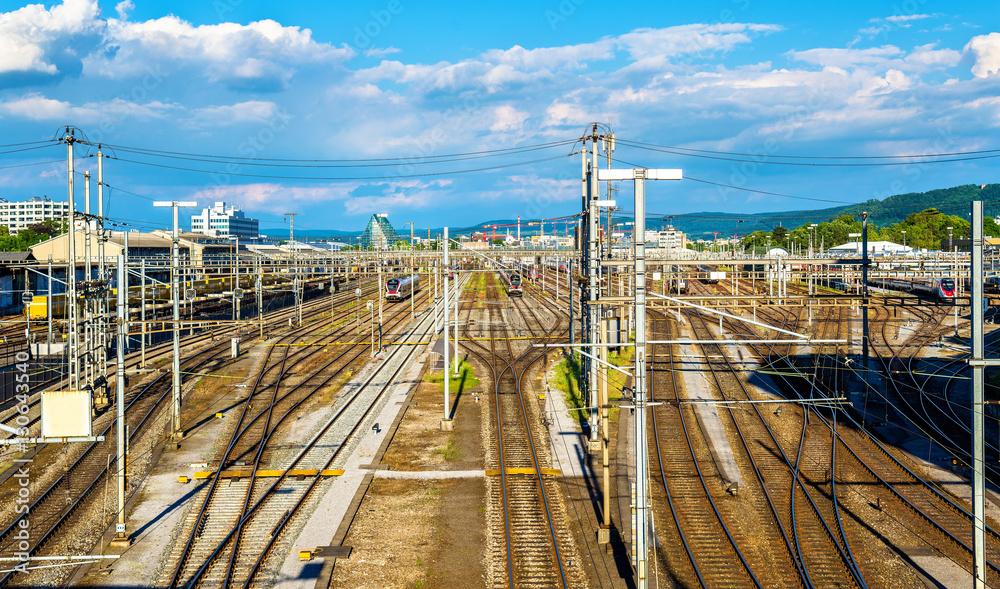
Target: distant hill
{"points": [[882, 213], [311, 234]]}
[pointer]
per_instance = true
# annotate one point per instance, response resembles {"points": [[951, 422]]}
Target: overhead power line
{"points": [[839, 157], [343, 178], [341, 163], [765, 159]]}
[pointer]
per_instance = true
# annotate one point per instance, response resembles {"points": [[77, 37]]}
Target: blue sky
{"points": [[294, 81]]}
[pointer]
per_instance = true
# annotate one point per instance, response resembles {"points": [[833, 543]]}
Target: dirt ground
{"points": [[424, 533]]}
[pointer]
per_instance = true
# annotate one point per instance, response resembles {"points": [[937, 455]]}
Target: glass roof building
{"points": [[379, 233]]}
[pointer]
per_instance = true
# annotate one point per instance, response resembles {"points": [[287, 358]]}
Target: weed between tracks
{"points": [[466, 378], [566, 378], [450, 451]]}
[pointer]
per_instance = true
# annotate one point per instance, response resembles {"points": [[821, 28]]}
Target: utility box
{"points": [[66, 414], [234, 347], [613, 336]]}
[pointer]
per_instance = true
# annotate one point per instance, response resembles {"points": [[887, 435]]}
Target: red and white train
{"points": [[941, 289], [512, 283], [397, 289]]}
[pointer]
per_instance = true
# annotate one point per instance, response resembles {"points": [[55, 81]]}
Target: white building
{"points": [[671, 238], [22, 214], [874, 248], [225, 222]]}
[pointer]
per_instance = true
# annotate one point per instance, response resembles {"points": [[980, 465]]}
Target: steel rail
{"points": [[666, 487], [490, 358], [924, 485], [247, 511]]}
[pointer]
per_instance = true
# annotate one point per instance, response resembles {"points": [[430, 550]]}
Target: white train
{"points": [[397, 289]]}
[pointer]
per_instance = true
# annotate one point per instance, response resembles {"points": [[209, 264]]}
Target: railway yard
{"points": [[325, 453]]}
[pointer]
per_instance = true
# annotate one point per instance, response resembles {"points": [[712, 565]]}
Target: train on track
{"points": [[712, 275], [512, 283], [209, 292], [397, 289], [939, 289], [676, 283]]}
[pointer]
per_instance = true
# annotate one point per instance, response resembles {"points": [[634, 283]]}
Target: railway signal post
{"points": [[175, 292], [641, 524]]}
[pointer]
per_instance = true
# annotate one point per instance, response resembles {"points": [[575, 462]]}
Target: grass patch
{"points": [[616, 380], [449, 452], [566, 378], [466, 378]]}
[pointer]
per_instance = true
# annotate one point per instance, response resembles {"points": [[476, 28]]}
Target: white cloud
{"points": [[985, 49], [40, 108], [123, 8], [71, 38], [930, 58], [508, 118], [262, 196], [33, 39], [643, 44], [496, 69], [906, 17], [262, 55], [380, 52], [243, 112], [847, 58]]}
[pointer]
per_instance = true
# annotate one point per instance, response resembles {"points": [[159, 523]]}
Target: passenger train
{"points": [[712, 274], [397, 289], [940, 289], [512, 283]]}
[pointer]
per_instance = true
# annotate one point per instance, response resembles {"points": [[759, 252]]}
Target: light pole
{"points": [[412, 268], [371, 308], [295, 277], [175, 268], [904, 240], [357, 310]]}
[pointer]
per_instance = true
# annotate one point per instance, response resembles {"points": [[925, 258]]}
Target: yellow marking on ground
{"points": [[244, 474], [492, 472], [367, 343]]}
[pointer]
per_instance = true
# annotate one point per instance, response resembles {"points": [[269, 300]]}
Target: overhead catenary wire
{"points": [[857, 157], [342, 163], [348, 178], [765, 159]]}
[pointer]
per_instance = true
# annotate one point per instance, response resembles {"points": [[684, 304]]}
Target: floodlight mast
{"points": [[175, 266]]}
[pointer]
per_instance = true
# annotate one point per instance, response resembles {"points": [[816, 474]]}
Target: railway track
{"points": [[868, 468], [531, 550], [235, 526], [66, 503], [165, 350]]}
